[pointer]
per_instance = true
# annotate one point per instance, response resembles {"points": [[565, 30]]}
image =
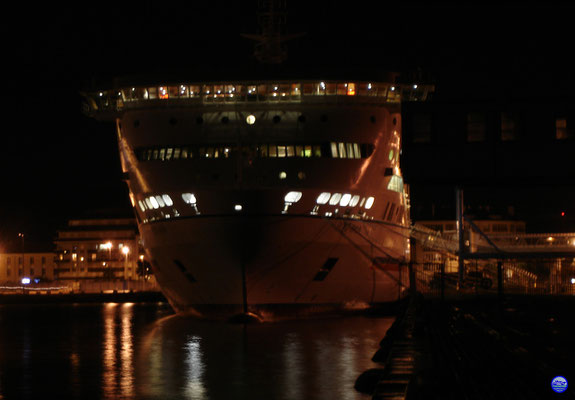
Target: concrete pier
{"points": [[477, 348]]}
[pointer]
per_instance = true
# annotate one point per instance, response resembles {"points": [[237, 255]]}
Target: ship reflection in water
{"points": [[143, 351]]}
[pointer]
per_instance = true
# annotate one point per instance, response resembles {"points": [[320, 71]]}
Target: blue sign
{"points": [[559, 384]]}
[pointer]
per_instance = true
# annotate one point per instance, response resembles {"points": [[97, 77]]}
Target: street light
{"points": [[126, 251]]}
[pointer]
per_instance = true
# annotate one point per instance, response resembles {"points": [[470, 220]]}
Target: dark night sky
{"points": [[55, 163]]}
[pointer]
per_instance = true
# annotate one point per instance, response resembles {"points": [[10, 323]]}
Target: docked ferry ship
{"points": [[267, 196]]}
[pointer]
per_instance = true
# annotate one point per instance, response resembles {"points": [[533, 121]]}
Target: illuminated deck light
{"points": [[25, 281]]}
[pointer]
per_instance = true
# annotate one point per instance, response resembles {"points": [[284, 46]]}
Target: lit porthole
{"points": [[354, 200], [301, 175], [323, 198], [168, 200], [282, 175], [369, 202], [251, 119], [335, 198], [345, 199], [292, 197], [189, 198]]}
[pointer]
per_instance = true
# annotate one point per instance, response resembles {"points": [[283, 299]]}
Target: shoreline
{"points": [[129, 297]]}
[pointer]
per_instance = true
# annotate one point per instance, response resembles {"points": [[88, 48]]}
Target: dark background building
{"points": [[511, 153]]}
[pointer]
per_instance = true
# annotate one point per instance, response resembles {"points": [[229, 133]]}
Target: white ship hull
{"points": [[259, 196], [226, 265]]}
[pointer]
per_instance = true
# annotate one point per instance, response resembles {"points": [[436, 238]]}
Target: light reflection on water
{"points": [[143, 351]]}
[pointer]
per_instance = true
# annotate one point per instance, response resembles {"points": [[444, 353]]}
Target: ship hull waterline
{"points": [[275, 266]]}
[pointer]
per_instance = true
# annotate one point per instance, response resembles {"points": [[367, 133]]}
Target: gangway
{"points": [[498, 245]]}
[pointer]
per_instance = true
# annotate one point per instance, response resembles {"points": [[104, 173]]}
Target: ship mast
{"points": [[270, 44]]}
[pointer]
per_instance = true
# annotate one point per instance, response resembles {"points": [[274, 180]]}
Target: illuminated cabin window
{"points": [[369, 202], [323, 198], [149, 203], [154, 202], [345, 199], [142, 205], [189, 198], [292, 197], [167, 200], [354, 200], [335, 198], [262, 150], [160, 201], [341, 150], [395, 184]]}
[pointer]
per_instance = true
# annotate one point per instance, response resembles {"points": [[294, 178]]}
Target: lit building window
{"points": [[475, 127], [323, 198], [562, 129]]}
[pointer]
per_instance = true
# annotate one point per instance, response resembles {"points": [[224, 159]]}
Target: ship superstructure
{"points": [[267, 195]]}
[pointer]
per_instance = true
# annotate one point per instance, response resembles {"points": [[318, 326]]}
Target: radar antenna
{"points": [[270, 47]]}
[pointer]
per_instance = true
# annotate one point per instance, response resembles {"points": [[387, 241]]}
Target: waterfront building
{"points": [[510, 150], [37, 266], [98, 249]]}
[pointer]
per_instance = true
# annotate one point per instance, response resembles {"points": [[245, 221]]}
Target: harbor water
{"points": [[145, 351]]}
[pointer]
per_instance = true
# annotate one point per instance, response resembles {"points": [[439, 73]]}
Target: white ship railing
{"points": [[256, 92]]}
